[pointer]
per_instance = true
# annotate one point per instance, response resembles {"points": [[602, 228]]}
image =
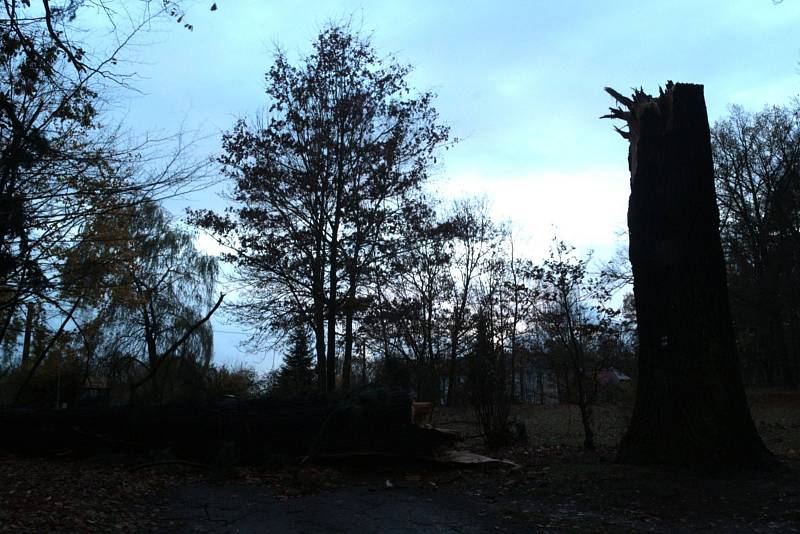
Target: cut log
{"points": [[690, 404]]}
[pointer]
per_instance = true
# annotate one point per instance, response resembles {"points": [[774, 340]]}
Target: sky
{"points": [[520, 83]]}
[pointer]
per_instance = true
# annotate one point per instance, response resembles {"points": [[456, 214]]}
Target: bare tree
{"points": [[575, 315], [475, 238]]}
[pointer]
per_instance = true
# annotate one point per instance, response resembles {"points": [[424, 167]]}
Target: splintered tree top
{"points": [[632, 110]]}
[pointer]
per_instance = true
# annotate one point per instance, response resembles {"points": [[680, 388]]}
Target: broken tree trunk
{"points": [[691, 407]]}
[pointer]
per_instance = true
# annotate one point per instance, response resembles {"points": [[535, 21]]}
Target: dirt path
{"points": [[566, 492], [354, 509], [492, 502]]}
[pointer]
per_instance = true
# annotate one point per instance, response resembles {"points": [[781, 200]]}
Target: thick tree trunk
{"points": [[319, 328], [333, 309], [347, 360], [26, 341], [691, 407], [784, 357], [350, 308], [794, 328]]}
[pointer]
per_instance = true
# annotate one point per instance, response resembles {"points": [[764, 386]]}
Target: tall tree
{"points": [[521, 289], [408, 315], [690, 403], [489, 394], [315, 184]]}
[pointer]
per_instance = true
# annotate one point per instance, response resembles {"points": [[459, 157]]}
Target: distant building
{"points": [[611, 377], [538, 385], [95, 390]]}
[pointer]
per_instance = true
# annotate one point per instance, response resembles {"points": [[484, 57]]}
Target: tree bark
{"points": [[333, 308], [691, 407], [319, 326], [347, 361], [26, 342], [350, 310]]}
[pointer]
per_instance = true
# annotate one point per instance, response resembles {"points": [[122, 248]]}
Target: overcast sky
{"points": [[520, 82]]}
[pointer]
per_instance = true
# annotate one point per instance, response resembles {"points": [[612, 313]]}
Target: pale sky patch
{"points": [[539, 205]]}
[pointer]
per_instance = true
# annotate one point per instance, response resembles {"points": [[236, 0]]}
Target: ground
{"points": [[557, 487]]}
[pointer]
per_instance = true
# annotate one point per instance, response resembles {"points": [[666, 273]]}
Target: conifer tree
{"points": [[297, 373]]}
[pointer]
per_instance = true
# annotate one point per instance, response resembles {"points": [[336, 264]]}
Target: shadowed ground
{"points": [[558, 487]]}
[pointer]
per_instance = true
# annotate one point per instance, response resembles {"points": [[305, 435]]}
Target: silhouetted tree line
{"points": [[331, 231], [345, 257], [368, 278], [97, 285], [757, 166]]}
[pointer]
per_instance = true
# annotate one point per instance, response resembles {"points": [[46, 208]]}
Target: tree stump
{"points": [[690, 407]]}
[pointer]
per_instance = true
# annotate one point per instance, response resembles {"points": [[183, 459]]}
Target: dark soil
{"points": [[565, 492], [557, 487]]}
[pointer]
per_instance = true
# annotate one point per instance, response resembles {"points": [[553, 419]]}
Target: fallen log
{"points": [[374, 420]]}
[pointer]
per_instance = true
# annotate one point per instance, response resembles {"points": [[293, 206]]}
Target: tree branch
{"points": [[164, 355]]}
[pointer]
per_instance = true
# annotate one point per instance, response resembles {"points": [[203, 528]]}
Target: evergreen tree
{"points": [[297, 373]]}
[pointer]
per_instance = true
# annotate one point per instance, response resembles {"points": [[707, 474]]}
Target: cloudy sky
{"points": [[520, 82]]}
